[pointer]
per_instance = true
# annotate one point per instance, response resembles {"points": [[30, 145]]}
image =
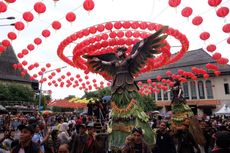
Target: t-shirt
{"points": [[138, 148]]}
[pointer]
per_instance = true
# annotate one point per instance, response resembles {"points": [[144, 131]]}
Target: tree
{"points": [[70, 97], [17, 93]]}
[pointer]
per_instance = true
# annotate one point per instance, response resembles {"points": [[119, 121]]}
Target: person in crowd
{"points": [[53, 142], [38, 137], [164, 141], [79, 140], [186, 142], [64, 135], [222, 142], [26, 145], [90, 108], [135, 143], [64, 148]]}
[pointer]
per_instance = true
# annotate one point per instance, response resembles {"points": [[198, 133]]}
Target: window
{"points": [[185, 89], [226, 88], [201, 89], [159, 95], [193, 89], [208, 85], [153, 95], [165, 95]]}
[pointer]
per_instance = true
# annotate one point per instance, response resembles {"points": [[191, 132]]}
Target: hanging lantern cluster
{"points": [[114, 34]]}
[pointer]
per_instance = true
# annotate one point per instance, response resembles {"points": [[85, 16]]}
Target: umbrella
{"points": [[47, 112], [3, 109], [106, 98]]}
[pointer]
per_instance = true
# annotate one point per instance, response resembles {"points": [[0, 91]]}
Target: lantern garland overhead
{"points": [[113, 34]]}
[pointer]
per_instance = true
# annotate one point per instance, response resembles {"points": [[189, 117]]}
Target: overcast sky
{"points": [[157, 11]]}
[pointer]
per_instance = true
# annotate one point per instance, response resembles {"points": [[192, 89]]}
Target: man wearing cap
{"points": [[135, 143], [26, 145]]}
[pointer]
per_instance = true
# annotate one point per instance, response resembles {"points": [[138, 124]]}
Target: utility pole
{"points": [[40, 90]]}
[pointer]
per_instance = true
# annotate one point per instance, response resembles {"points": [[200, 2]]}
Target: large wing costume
{"points": [[146, 49], [99, 66]]}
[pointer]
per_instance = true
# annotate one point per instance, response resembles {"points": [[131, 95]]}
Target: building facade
{"points": [[204, 96]]}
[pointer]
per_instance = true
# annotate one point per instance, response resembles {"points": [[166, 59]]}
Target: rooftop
{"points": [[7, 72], [198, 58]]}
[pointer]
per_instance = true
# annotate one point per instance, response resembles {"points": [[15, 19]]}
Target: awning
{"points": [[67, 104], [191, 102]]}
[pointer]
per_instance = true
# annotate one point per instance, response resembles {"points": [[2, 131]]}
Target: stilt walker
{"points": [[126, 113]]}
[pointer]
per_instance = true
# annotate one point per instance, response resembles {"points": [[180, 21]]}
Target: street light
{"points": [[8, 18], [40, 90]]}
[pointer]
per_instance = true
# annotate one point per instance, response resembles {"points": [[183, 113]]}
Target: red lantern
{"points": [[228, 40], [24, 63], [56, 25], [117, 25], [2, 49], [12, 35], [211, 48], [45, 33], [109, 26], [197, 20], [149, 81], [216, 56], [39, 7], [158, 77], [70, 16], [36, 65], [222, 12], [204, 35], [68, 74], [28, 16], [15, 66], [25, 52], [174, 3], [168, 73], [30, 47], [6, 43], [37, 41], [48, 65], [10, 1], [206, 76], [88, 5], [43, 69], [3, 7], [217, 73], [186, 12], [214, 3], [20, 55], [19, 26], [226, 28]]}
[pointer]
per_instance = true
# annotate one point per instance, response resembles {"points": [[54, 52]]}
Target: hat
{"points": [[30, 127]]}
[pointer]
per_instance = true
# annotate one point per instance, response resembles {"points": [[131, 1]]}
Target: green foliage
{"points": [[69, 97], [147, 102], [16, 92], [98, 94]]}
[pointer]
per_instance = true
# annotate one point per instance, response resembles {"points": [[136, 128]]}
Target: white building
{"points": [[203, 95]]}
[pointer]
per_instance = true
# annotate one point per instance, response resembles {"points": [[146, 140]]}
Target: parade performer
{"points": [[182, 114], [126, 113]]}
